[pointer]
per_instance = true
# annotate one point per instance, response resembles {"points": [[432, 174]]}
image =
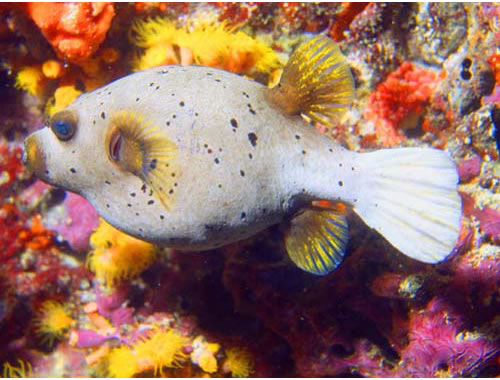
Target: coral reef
{"points": [[79, 298]]}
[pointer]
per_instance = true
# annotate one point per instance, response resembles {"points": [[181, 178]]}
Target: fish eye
{"points": [[115, 145], [63, 125]]}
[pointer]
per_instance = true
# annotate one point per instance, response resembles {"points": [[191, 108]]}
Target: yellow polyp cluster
{"points": [[63, 97], [30, 79], [204, 354], [53, 321], [24, 370], [206, 44], [122, 362], [161, 349], [117, 256], [238, 362]]}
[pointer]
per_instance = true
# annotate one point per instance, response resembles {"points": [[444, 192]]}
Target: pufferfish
{"points": [[195, 158]]}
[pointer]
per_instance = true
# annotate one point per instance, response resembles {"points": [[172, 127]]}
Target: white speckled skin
{"points": [[250, 188]]}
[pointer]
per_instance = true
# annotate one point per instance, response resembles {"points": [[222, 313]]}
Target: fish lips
{"points": [[33, 156]]}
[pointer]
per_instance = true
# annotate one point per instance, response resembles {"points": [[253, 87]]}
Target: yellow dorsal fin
{"points": [[316, 82], [317, 239]]}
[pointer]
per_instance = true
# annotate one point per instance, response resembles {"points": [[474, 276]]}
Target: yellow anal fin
{"points": [[317, 239], [143, 149], [316, 82]]}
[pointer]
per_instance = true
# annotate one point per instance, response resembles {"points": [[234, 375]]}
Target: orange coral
{"points": [[345, 18], [398, 102], [494, 62], [75, 30]]}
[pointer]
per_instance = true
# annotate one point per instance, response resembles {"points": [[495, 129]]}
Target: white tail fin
{"points": [[409, 195]]}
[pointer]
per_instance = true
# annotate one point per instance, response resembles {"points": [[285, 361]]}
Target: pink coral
{"points": [[399, 100]]}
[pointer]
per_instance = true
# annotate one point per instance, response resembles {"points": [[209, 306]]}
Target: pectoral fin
{"points": [[316, 240]]}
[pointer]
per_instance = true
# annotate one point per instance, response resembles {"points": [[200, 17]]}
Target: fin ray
{"points": [[409, 195], [316, 82], [316, 240]]}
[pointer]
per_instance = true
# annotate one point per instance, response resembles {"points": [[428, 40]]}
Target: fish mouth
{"points": [[33, 158]]}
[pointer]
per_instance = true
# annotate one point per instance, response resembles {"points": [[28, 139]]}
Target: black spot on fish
{"points": [[175, 184], [136, 214], [341, 183], [150, 202], [216, 160], [143, 188], [157, 87], [136, 99], [264, 210], [46, 172], [151, 84], [162, 217], [234, 123], [252, 137], [109, 92], [209, 74], [172, 94], [140, 229], [242, 173], [196, 114], [173, 174], [217, 80], [103, 115], [171, 191], [107, 182], [340, 164], [150, 192], [297, 137], [355, 200], [132, 195], [209, 151], [174, 116], [304, 152], [205, 145], [129, 205], [72, 152], [181, 104], [93, 122], [107, 205], [252, 111], [331, 150], [220, 186], [250, 155], [152, 165], [352, 168], [101, 103], [245, 95], [72, 170], [243, 215]]}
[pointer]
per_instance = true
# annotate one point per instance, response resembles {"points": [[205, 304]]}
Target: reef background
{"points": [[78, 298]]}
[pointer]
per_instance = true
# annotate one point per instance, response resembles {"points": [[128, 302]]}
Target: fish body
{"points": [[196, 158], [241, 165]]}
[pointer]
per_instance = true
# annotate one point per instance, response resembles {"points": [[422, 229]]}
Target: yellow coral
{"points": [[161, 349], [117, 256], [53, 321], [63, 97], [24, 370], [238, 362], [30, 79], [122, 362], [204, 354], [52, 69], [212, 44]]}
